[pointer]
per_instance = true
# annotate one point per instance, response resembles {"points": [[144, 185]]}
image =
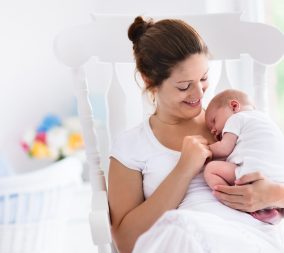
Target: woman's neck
{"points": [[171, 132], [166, 120]]}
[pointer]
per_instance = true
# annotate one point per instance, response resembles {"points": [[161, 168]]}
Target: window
{"points": [[277, 19]]}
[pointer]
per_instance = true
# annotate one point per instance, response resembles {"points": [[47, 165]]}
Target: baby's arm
{"points": [[224, 147]]}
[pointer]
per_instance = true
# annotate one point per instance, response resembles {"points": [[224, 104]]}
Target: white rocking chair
{"points": [[229, 40]]}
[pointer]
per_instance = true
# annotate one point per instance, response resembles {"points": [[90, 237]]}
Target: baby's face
{"points": [[216, 118]]}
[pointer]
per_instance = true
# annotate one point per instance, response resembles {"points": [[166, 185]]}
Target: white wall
{"points": [[32, 82]]}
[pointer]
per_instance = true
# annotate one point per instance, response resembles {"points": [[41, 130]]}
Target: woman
{"points": [[157, 166]]}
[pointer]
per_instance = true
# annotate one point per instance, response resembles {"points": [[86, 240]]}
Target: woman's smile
{"points": [[193, 103]]}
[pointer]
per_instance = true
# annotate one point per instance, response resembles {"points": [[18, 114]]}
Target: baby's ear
{"points": [[235, 105]]}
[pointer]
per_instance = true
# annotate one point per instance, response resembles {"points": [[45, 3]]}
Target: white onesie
{"points": [[259, 145]]}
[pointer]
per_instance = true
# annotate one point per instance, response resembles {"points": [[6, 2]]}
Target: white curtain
{"points": [[250, 11]]}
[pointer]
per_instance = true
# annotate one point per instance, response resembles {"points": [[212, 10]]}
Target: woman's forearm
{"points": [[166, 197]]}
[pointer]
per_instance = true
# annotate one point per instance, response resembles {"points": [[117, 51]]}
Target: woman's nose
{"points": [[199, 90]]}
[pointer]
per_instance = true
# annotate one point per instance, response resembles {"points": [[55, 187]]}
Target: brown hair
{"points": [[158, 47]]}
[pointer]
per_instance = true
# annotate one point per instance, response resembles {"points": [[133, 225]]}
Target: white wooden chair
{"points": [[229, 40], [35, 205]]}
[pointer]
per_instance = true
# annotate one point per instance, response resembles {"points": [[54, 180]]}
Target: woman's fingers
{"points": [[231, 190], [249, 178], [237, 206], [208, 153], [227, 197], [200, 139], [237, 197], [250, 193], [233, 201]]}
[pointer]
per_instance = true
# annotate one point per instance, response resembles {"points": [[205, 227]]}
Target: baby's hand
{"points": [[194, 153]]}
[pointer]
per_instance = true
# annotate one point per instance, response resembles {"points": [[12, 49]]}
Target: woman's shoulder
{"points": [[135, 141], [131, 135], [131, 147]]}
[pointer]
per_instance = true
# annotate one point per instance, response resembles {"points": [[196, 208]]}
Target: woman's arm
{"points": [[252, 192], [130, 214]]}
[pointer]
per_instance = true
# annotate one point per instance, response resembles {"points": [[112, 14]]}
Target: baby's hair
{"points": [[222, 98]]}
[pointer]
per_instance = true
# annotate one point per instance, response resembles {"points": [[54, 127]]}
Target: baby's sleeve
{"points": [[233, 125]]}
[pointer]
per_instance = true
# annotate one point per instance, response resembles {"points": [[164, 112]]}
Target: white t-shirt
{"points": [[138, 149], [259, 145]]}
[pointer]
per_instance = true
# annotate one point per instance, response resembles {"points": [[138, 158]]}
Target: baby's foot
{"points": [[271, 216]]}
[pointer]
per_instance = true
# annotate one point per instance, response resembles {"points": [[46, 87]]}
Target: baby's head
{"points": [[224, 105]]}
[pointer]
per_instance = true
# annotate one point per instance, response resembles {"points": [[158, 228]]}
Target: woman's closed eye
{"points": [[188, 85], [184, 88]]}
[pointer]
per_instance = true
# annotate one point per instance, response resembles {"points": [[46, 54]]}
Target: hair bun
{"points": [[138, 28]]}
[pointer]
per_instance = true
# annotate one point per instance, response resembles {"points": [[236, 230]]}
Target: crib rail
{"points": [[34, 207]]}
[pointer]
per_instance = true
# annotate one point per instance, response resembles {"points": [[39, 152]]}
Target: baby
{"points": [[247, 140]]}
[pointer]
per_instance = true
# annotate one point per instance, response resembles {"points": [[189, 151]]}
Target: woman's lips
{"points": [[193, 103]]}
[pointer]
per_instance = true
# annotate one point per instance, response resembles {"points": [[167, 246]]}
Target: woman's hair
{"points": [[159, 46]]}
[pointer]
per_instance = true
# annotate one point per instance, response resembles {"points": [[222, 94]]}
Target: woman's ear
{"points": [[235, 105], [146, 80]]}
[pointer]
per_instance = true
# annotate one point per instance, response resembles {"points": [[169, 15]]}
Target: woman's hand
{"points": [[194, 152], [252, 192]]}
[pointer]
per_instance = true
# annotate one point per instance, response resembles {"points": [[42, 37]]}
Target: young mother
{"points": [[155, 177]]}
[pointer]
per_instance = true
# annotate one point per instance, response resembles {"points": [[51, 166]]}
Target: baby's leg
{"points": [[220, 173]]}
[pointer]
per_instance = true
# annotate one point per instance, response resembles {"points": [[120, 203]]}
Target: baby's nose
{"points": [[213, 131]]}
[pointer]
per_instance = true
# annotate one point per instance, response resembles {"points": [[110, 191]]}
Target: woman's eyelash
{"points": [[184, 89]]}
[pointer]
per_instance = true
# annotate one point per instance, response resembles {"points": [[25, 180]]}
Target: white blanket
{"points": [[196, 231]]}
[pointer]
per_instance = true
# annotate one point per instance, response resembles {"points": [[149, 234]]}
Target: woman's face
{"points": [[180, 96]]}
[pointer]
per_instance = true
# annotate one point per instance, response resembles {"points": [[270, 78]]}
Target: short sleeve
{"points": [[233, 125], [126, 149]]}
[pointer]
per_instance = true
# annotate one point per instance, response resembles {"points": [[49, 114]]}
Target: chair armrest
{"points": [[100, 222]]}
